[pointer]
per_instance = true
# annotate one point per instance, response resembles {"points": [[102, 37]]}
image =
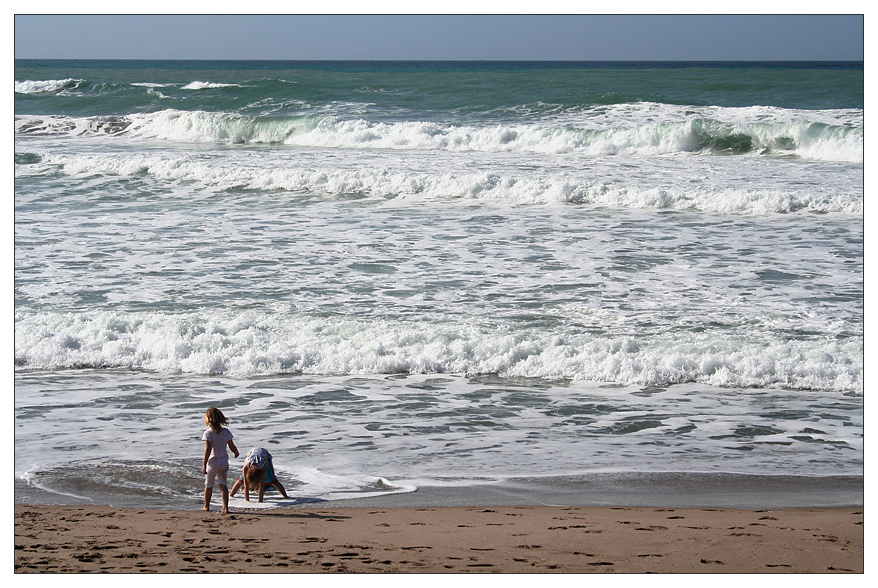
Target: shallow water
{"points": [[359, 436]]}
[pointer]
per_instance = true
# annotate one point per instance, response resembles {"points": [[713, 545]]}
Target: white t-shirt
{"points": [[220, 442]]}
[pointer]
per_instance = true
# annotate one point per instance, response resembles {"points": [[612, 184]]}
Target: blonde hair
{"points": [[215, 419], [254, 475]]}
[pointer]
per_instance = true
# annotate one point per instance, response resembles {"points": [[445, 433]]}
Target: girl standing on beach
{"points": [[216, 458]]}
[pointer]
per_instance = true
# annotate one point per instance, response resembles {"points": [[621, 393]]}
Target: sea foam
{"points": [[290, 175], [251, 344], [196, 85]]}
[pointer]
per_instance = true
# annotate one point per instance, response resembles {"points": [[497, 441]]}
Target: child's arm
{"points": [[246, 485], [208, 446], [235, 487], [233, 448], [262, 482]]}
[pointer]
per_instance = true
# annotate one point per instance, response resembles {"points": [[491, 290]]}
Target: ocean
{"points": [[396, 276]]}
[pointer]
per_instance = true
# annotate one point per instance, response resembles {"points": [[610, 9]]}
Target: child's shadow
{"points": [[293, 501], [274, 501]]}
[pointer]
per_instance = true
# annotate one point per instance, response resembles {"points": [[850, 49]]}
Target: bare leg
{"points": [[208, 492], [225, 491], [280, 487]]}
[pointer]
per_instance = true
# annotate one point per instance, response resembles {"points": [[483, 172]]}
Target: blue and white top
{"points": [[257, 457]]}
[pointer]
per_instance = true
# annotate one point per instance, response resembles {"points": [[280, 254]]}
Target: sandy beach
{"points": [[507, 539]]}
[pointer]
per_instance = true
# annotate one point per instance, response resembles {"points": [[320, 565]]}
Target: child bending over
{"points": [[258, 473]]}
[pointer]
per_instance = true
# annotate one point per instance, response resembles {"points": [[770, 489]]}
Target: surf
{"points": [[259, 344], [807, 139]]}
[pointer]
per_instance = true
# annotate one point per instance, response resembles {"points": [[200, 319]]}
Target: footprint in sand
{"points": [[831, 538]]}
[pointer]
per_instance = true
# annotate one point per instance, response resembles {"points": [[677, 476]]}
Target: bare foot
{"points": [[205, 508], [224, 511]]}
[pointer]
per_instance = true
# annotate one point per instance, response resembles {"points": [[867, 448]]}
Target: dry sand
{"points": [[506, 539]]}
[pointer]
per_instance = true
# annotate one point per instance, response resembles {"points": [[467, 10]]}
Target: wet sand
{"points": [[458, 539]]}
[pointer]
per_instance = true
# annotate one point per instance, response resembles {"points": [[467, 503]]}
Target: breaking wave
{"points": [[45, 86], [249, 344], [836, 140]]}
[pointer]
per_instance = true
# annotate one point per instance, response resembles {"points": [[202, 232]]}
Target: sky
{"points": [[441, 37]]}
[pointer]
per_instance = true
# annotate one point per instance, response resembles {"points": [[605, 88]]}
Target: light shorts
{"points": [[217, 468]]}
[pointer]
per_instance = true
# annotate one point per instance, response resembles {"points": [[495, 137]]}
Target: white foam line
{"points": [[30, 482]]}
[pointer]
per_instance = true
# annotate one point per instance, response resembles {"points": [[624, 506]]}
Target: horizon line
{"points": [[441, 60]]}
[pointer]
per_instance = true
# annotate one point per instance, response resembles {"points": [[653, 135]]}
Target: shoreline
{"points": [[660, 490], [447, 539], [644, 489]]}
